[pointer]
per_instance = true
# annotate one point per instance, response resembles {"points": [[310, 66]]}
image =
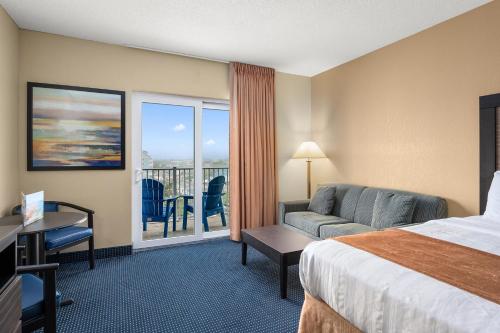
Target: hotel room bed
{"points": [[366, 292]]}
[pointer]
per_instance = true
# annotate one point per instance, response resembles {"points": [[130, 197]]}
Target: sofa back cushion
{"points": [[427, 207], [364, 209], [323, 200], [346, 199]]}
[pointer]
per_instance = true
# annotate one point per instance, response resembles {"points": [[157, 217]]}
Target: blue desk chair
{"points": [[211, 204], [156, 208], [60, 239], [39, 297]]}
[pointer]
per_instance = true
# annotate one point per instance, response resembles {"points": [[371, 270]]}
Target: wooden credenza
{"points": [[10, 282]]}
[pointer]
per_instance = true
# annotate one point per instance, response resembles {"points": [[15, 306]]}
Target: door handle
{"points": [[138, 175]]}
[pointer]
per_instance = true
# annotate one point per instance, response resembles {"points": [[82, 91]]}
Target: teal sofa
{"points": [[352, 212]]}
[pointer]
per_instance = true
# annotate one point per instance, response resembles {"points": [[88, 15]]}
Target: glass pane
{"points": [[215, 129], [168, 170]]}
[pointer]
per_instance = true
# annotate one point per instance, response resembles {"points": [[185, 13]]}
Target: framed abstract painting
{"points": [[75, 128]]}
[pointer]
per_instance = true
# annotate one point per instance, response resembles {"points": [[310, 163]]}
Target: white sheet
{"points": [[377, 295]]}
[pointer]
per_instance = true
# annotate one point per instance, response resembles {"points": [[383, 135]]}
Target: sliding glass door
{"points": [[167, 169], [215, 137], [180, 161]]}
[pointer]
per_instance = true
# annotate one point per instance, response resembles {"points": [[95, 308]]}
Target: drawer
{"points": [[10, 306]]}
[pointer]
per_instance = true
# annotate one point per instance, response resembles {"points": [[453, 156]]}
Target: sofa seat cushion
{"points": [[327, 231], [311, 221], [63, 236], [32, 296]]}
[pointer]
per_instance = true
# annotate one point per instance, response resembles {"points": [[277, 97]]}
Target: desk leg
{"points": [[244, 247], [41, 248], [283, 276]]}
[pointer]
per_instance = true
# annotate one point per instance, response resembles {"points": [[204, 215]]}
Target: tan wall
{"points": [[293, 108], [9, 175], [61, 60], [406, 116]]}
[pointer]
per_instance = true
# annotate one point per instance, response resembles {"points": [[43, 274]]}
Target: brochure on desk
{"points": [[32, 207]]}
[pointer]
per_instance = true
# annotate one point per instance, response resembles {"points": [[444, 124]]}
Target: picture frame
{"points": [[74, 128]]}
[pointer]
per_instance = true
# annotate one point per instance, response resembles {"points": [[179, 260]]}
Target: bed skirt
{"points": [[318, 317]]}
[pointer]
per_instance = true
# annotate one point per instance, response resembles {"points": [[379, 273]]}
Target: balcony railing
{"points": [[180, 181]]}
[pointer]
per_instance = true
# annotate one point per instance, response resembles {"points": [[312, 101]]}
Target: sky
{"points": [[168, 132]]}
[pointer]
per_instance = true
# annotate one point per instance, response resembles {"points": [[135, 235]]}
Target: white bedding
{"points": [[377, 295]]}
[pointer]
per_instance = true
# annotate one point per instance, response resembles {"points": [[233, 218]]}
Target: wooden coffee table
{"points": [[279, 244]]}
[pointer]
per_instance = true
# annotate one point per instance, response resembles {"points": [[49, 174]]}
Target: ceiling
{"points": [[303, 37]]}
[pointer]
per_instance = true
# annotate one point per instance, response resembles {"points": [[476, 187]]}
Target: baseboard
{"points": [[107, 252], [159, 247]]}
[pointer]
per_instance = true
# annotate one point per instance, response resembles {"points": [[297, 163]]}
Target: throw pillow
{"points": [[392, 209], [323, 200]]}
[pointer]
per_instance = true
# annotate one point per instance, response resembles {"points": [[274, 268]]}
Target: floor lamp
{"points": [[308, 150]]}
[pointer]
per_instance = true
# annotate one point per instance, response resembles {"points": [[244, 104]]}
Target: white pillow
{"points": [[493, 205]]}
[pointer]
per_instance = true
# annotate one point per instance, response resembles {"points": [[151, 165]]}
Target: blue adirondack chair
{"points": [[211, 205], [156, 208]]}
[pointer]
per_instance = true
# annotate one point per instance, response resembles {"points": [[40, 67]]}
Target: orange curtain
{"points": [[252, 148]]}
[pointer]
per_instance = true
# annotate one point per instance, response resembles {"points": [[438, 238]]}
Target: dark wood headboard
{"points": [[489, 144]]}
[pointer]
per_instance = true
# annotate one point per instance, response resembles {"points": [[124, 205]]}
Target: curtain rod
{"points": [[173, 53]]}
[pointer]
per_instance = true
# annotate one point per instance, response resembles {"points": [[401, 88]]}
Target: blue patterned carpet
{"points": [[192, 288]]}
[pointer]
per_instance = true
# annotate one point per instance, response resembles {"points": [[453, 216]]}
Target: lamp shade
{"points": [[309, 150]]}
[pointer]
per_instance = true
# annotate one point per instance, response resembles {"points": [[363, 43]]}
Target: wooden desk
{"points": [[10, 283]]}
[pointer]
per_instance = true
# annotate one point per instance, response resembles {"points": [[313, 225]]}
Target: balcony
{"points": [[178, 182]]}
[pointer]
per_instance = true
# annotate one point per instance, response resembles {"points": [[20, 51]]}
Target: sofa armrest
{"points": [[442, 210], [291, 206], [33, 269]]}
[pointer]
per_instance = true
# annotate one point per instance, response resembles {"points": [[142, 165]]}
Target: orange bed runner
{"points": [[469, 269]]}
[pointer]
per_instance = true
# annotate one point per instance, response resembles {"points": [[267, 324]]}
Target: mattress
{"points": [[377, 295]]}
